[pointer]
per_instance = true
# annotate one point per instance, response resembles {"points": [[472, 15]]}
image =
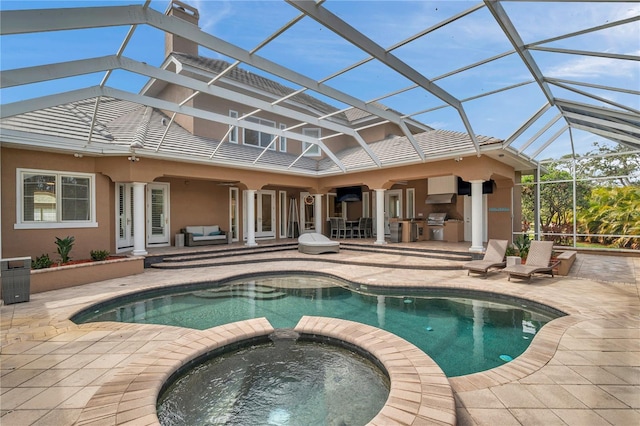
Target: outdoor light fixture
{"points": [[133, 158], [78, 155]]}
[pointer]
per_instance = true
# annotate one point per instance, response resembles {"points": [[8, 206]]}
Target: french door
{"points": [[264, 214], [124, 216], [393, 207], [158, 214]]}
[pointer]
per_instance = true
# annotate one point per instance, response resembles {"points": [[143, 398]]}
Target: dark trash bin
{"points": [[16, 279], [396, 232]]}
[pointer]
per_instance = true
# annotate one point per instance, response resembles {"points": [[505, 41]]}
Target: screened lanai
{"points": [[553, 87]]}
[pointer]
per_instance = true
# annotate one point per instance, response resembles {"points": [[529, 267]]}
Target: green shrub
{"points": [[64, 248], [99, 254], [41, 262], [522, 244]]}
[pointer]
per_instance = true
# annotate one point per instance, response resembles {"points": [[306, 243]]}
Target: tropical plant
{"points": [[522, 244], [41, 262], [97, 255], [511, 251], [613, 211], [64, 248]]}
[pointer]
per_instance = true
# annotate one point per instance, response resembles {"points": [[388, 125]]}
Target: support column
{"points": [[476, 217], [380, 217], [317, 212], [139, 213], [251, 217]]}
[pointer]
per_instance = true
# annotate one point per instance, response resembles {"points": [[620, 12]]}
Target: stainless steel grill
{"points": [[436, 219]]}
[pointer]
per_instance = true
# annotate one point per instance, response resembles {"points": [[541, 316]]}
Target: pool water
{"points": [[285, 383], [462, 335]]}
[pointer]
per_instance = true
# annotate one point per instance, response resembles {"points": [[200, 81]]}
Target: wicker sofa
{"points": [[201, 235]]}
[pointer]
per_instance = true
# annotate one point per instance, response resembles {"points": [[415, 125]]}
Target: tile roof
{"points": [[123, 123], [248, 78]]}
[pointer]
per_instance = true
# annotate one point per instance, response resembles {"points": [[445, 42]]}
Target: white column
{"points": [[251, 217], [380, 217], [476, 217], [139, 213], [317, 212]]}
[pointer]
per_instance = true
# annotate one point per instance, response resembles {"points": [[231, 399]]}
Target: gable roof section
{"points": [[249, 79]]}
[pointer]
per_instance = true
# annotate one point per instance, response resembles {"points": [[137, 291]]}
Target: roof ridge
{"points": [[143, 127], [97, 125]]}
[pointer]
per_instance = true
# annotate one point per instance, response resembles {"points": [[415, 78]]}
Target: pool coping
{"points": [[104, 406], [419, 390]]}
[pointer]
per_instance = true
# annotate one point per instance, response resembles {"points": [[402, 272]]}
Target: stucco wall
{"points": [[197, 202], [35, 242]]}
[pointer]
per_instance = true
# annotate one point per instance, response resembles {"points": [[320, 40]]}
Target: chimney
{"points": [[174, 43]]}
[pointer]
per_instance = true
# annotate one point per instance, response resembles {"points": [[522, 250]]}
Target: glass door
{"points": [[233, 213], [393, 210], [264, 212], [124, 216], [158, 213]]}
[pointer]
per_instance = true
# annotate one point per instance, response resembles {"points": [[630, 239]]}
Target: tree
{"points": [[556, 200], [607, 207], [611, 161]]}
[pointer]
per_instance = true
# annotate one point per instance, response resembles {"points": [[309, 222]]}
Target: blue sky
{"points": [[315, 51]]}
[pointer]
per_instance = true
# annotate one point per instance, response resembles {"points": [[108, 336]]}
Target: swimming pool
{"points": [[462, 333]]}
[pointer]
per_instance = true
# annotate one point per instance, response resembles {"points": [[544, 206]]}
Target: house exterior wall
{"points": [[500, 211], [178, 94], [197, 198], [197, 202], [36, 242]]}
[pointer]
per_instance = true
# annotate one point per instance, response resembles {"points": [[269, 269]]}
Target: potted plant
{"points": [[522, 244]]}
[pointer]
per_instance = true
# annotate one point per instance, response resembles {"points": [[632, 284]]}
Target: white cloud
{"points": [[211, 13], [591, 67]]}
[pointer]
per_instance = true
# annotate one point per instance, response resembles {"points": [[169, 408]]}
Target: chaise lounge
{"points": [[493, 258], [538, 261], [314, 243], [203, 235]]}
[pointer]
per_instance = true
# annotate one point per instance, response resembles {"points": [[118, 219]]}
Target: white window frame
{"points": [[233, 135], [283, 140], [59, 223], [282, 207], [314, 132], [263, 122]]}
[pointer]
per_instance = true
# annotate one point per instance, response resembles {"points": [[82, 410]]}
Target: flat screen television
{"points": [[349, 194], [464, 187]]}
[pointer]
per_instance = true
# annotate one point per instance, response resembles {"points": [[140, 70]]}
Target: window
{"points": [[255, 138], [315, 150], [283, 140], [233, 135], [48, 199]]}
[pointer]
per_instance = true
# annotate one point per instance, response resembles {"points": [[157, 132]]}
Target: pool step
{"points": [[409, 251], [252, 292], [240, 254]]}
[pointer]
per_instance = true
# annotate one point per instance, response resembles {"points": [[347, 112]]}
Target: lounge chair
{"points": [[493, 258], [314, 243], [538, 261]]}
